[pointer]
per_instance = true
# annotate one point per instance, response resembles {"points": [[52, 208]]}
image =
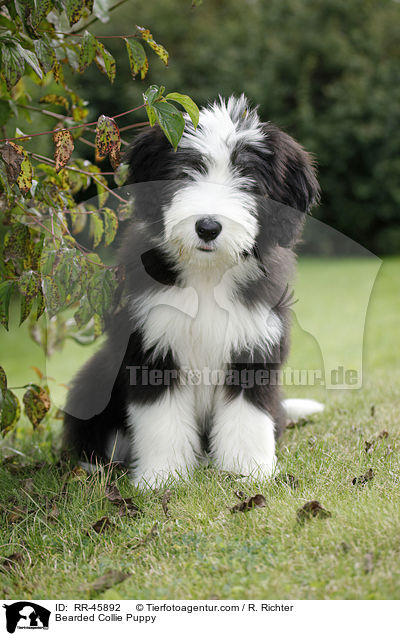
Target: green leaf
{"points": [[3, 379], [102, 192], [45, 55], [75, 10], [121, 174], [88, 51], [16, 243], [6, 290], [101, 291], [188, 104], [37, 403], [54, 296], [32, 60], [153, 93], [84, 313], [69, 274], [5, 184], [137, 57], [171, 121], [157, 48], [42, 9], [29, 286], [24, 180], [110, 225], [10, 411], [13, 64], [96, 228], [40, 305], [48, 261], [110, 68]]}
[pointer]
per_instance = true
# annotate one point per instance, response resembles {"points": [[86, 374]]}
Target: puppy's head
{"points": [[234, 187]]}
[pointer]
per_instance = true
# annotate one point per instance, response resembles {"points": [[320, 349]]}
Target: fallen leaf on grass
{"points": [[257, 501], [104, 582], [165, 501], [312, 509], [102, 525], [287, 478], [11, 561], [78, 473], [16, 514], [28, 485], [297, 423], [364, 479], [370, 444], [126, 505], [151, 535]]}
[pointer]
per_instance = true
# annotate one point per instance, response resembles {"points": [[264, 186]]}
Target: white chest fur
{"points": [[204, 322]]}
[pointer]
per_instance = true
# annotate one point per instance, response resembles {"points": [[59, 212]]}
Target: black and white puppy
{"points": [[190, 364]]}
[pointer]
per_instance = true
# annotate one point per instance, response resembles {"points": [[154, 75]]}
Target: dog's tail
{"points": [[298, 409]]}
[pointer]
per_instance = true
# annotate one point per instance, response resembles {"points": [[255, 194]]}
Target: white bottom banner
{"points": [[181, 617]]}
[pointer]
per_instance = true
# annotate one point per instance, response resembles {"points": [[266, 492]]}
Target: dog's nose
{"points": [[208, 229]]}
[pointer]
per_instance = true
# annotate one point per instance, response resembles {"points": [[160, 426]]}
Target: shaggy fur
{"points": [[209, 258]]}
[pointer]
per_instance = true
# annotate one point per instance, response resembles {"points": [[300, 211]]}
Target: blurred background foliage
{"points": [[326, 71]]}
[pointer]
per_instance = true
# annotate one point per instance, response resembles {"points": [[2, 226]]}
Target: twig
{"points": [[50, 132]]}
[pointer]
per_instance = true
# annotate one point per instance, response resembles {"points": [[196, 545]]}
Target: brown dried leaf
{"points": [[11, 561], [312, 509], [112, 493], [371, 444], [28, 485], [297, 423], [64, 146], [16, 514], [13, 156], [257, 501], [102, 525], [126, 505], [364, 479]]}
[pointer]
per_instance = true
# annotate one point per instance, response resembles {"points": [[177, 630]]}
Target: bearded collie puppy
{"points": [[190, 368]]}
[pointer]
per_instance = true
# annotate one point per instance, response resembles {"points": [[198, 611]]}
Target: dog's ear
{"points": [[291, 186], [290, 171], [147, 156]]}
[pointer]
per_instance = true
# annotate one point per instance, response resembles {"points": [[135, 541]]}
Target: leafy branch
{"points": [[50, 237]]}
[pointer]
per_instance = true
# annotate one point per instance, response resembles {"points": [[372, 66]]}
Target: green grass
{"points": [[203, 550]]}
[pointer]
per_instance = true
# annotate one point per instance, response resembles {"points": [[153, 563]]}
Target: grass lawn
{"points": [[201, 549]]}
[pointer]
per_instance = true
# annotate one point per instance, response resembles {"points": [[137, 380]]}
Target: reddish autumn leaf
{"points": [[64, 145]]}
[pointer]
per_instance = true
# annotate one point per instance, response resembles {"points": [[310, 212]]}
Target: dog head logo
{"points": [[26, 615]]}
